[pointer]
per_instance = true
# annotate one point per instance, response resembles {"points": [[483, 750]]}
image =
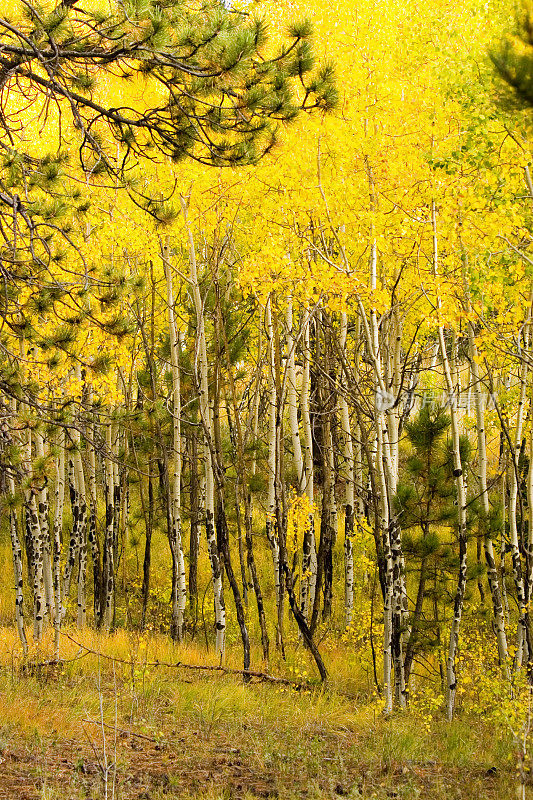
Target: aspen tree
{"points": [[202, 382], [80, 513], [179, 587], [117, 488], [292, 399], [328, 517], [242, 489], [349, 494], [358, 454], [16, 547], [386, 479], [272, 533], [34, 540], [286, 577], [73, 546], [529, 537], [43, 508], [194, 535], [92, 530], [149, 347], [309, 565], [108, 567], [385, 484], [57, 534], [451, 676], [516, 556], [220, 482], [37, 556], [492, 572]]}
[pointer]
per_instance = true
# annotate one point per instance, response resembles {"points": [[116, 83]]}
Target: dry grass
{"points": [[171, 733]]}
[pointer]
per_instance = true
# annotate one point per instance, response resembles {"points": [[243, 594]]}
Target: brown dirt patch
{"points": [[192, 765]]}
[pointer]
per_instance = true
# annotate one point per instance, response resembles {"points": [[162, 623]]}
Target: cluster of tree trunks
{"points": [[230, 403]]}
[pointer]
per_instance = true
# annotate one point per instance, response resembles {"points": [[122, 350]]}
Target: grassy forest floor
{"points": [[175, 732]]}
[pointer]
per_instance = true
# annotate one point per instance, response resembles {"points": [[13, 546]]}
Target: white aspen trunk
{"points": [[328, 521], [179, 587], [389, 576], [516, 558], [309, 559], [385, 471], [202, 373], [34, 528], [383, 462], [81, 501], [492, 572], [79, 483], [434, 357], [257, 393], [349, 493], [16, 550], [37, 549], [73, 545], [454, 366], [389, 421], [359, 480], [461, 512], [503, 571], [182, 578], [529, 540], [43, 509], [36, 546], [108, 563], [393, 414], [57, 536], [92, 531], [124, 504], [391, 436], [271, 495], [460, 489], [529, 544], [115, 431], [292, 401]]}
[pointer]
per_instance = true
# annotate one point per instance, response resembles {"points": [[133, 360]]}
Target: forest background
{"points": [[266, 384]]}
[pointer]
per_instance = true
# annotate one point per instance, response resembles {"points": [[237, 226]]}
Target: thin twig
{"points": [[120, 730]]}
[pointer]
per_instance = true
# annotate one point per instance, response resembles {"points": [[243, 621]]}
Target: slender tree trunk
{"points": [[242, 489], [329, 505], [271, 527], [309, 559], [147, 551], [108, 564], [72, 554], [37, 549], [57, 534], [92, 533], [349, 494], [492, 572], [179, 586], [516, 558], [43, 509], [35, 538], [202, 380], [194, 538], [79, 482], [292, 401], [461, 493], [16, 550]]}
